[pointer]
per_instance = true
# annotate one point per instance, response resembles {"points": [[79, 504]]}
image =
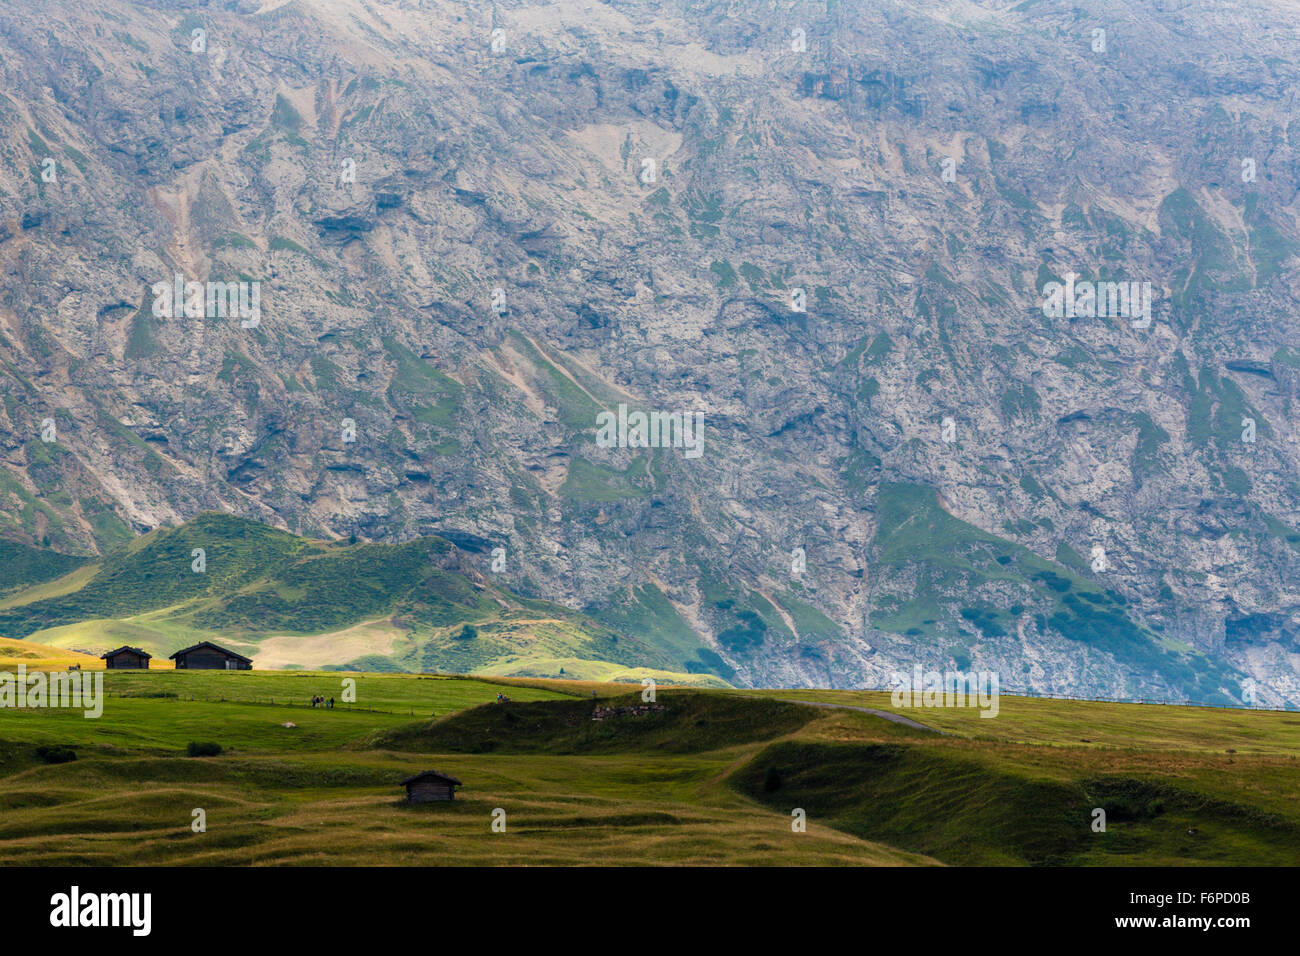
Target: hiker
{"points": [[331, 703]]}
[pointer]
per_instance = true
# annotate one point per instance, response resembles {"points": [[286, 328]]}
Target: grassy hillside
{"points": [[24, 566], [13, 653], [418, 606], [711, 779], [1047, 722], [970, 807], [688, 723], [298, 795], [646, 610]]}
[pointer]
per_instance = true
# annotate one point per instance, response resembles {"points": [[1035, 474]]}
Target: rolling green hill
{"points": [[292, 602]]}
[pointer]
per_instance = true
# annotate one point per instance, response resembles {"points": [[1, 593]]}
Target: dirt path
{"points": [[883, 714]]}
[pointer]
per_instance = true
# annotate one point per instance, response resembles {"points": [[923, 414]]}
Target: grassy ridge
{"points": [[688, 723], [973, 810], [160, 712], [922, 799], [1091, 724], [385, 692]]}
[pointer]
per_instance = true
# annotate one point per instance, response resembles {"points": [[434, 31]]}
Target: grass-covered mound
{"points": [[689, 722], [964, 809]]}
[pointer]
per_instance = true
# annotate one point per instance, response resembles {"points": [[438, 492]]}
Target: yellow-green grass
{"points": [[73, 581], [526, 645], [150, 632], [573, 688], [970, 802], [599, 671], [164, 727], [1038, 720], [326, 791], [622, 810], [332, 649], [406, 695], [306, 795], [159, 633], [42, 657]]}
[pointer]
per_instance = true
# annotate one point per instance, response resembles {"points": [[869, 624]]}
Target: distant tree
{"points": [[467, 633]]}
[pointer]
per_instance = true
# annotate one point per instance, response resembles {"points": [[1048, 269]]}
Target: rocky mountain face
{"points": [[859, 239]]}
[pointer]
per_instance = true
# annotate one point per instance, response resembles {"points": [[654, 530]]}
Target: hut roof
{"points": [[215, 647], [431, 773], [125, 647]]}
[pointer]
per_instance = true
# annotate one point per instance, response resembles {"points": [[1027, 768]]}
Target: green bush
{"points": [[56, 754], [205, 749]]}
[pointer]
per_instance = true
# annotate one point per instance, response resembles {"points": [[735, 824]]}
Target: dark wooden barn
{"points": [[206, 656], [430, 785], [128, 658]]}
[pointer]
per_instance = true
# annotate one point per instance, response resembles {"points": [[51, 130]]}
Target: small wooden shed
{"points": [[206, 656], [430, 785], [126, 658]]}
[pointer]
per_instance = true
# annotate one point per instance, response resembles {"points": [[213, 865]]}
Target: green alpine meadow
{"points": [[616, 473], [704, 777]]}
